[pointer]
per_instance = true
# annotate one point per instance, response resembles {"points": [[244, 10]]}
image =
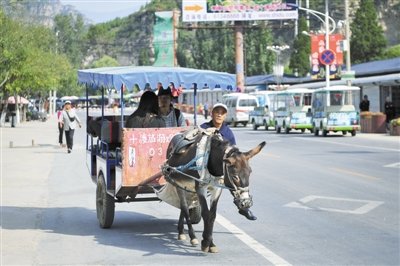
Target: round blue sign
{"points": [[327, 57]]}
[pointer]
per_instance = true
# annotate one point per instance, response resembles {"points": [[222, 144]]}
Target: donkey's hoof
{"points": [[213, 249], [205, 249], [194, 242], [181, 237]]}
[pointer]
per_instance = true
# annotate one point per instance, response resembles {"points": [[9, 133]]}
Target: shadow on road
{"points": [[130, 230]]}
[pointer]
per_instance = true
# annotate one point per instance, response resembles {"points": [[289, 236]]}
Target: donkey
{"points": [[203, 167]]}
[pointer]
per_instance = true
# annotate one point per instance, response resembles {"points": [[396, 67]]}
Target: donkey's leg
{"points": [[205, 243], [181, 233], [215, 194], [185, 214]]}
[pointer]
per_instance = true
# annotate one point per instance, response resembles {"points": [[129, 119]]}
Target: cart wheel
{"points": [[303, 130], [195, 214], [344, 133], [353, 133], [105, 204]]}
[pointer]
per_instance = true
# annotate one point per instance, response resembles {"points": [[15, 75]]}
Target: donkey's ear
{"points": [[255, 150]]}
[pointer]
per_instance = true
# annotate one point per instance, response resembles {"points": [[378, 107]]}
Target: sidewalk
{"points": [[27, 153]]}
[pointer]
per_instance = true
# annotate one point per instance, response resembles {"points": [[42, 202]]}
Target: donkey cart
{"points": [[127, 171], [132, 164]]}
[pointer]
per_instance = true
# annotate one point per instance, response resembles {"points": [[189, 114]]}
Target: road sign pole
{"points": [[327, 68]]}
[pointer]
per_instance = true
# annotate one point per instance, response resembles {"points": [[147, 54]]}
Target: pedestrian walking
{"points": [[364, 104], [205, 107], [389, 111], [60, 126], [69, 119]]}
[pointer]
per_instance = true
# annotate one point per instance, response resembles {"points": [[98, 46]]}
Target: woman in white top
{"points": [[69, 120]]}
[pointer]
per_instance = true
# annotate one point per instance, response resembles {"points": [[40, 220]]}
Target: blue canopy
{"points": [[114, 77]]}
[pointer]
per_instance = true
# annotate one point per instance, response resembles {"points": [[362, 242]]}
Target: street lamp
{"points": [[327, 32], [278, 69]]}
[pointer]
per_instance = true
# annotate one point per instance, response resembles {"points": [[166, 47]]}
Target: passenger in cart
{"points": [[146, 115], [172, 116]]}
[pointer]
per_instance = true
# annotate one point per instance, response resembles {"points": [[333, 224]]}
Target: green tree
{"points": [[105, 61], [28, 66], [367, 40], [144, 57], [392, 52], [258, 60], [70, 34], [300, 58], [214, 49]]}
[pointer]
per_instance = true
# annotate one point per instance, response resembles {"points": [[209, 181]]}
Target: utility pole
{"points": [[175, 20], [327, 68], [239, 55], [347, 32]]}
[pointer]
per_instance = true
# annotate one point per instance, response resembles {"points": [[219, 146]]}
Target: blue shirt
{"points": [[225, 131]]}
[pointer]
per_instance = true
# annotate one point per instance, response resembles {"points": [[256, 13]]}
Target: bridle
{"points": [[237, 192], [241, 200]]}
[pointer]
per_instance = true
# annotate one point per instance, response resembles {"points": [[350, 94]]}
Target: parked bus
{"points": [[334, 109], [292, 110]]}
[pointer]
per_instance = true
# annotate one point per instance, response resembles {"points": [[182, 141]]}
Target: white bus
{"points": [[334, 110], [292, 110]]}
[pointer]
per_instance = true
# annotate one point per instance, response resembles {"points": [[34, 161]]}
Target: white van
{"points": [[239, 106]]}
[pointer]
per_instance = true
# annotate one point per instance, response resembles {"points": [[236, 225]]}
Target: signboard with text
{"points": [[222, 10], [163, 39], [143, 152]]}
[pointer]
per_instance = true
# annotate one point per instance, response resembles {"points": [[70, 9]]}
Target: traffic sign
{"points": [[327, 57]]}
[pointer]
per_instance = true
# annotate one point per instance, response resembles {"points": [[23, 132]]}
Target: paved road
{"points": [[319, 201]]}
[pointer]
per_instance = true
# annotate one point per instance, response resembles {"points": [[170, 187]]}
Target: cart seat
{"points": [[95, 123], [111, 133]]}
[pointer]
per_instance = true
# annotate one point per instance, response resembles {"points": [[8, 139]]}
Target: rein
{"points": [[198, 163]]}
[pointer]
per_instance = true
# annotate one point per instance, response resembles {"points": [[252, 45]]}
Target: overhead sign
{"points": [[240, 10], [327, 57]]}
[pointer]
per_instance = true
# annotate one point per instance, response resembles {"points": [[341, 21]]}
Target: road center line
{"points": [[351, 145], [251, 242], [352, 173]]}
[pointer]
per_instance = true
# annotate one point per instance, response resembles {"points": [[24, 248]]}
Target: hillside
{"points": [[129, 40], [40, 11]]}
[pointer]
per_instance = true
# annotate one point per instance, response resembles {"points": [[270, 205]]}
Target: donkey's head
{"points": [[237, 174]]}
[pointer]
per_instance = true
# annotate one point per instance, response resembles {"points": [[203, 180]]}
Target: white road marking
{"points": [[251, 242], [393, 165], [366, 207], [351, 145]]}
